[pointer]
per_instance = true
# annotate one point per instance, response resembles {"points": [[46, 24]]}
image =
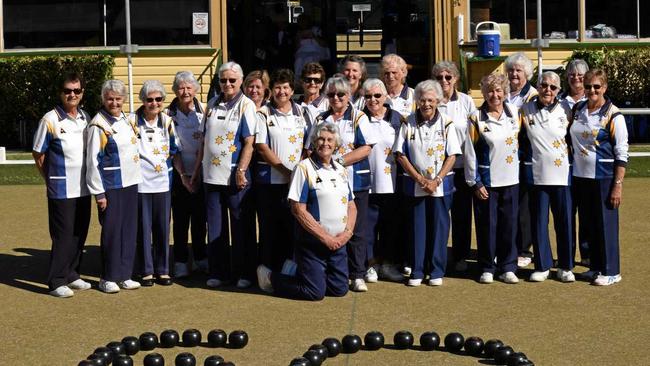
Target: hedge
{"points": [[628, 73], [30, 89]]}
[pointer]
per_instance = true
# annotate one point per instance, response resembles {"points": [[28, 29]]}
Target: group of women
{"points": [[352, 182]]}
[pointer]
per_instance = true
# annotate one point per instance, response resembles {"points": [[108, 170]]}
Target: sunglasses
{"points": [[157, 99], [68, 91], [546, 85], [339, 94], [595, 86], [446, 77], [312, 80], [376, 96], [225, 81]]}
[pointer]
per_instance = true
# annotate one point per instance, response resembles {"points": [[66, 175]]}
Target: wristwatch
{"points": [[618, 181], [340, 160]]}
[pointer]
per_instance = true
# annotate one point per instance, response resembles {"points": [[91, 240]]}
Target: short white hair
{"points": [[427, 86], [185, 77], [232, 66], [373, 82], [151, 86], [328, 127], [520, 59], [113, 85]]}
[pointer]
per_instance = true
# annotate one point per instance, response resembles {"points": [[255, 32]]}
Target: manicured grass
{"points": [[640, 148], [19, 174], [19, 155]]}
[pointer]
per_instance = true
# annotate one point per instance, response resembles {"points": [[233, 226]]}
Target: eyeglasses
{"points": [[595, 86], [339, 94], [68, 91], [225, 81], [576, 76], [376, 96], [446, 77], [546, 85], [308, 80], [157, 99]]}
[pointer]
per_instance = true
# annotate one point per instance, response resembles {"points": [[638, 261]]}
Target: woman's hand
{"points": [[616, 195], [187, 183], [101, 204], [240, 179], [481, 193]]}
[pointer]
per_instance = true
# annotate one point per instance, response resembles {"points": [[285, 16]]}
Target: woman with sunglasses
{"points": [[256, 87], [321, 200], [357, 140], [113, 174], [312, 79], [393, 71], [519, 69], [58, 152], [492, 171], [279, 144], [158, 148], [575, 71], [600, 152], [353, 67], [224, 157], [384, 247], [426, 148], [543, 146], [458, 106], [188, 202]]}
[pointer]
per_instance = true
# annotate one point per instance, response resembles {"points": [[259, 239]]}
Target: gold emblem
{"points": [[157, 168], [156, 151], [430, 151], [230, 136], [509, 141], [218, 140], [387, 170], [134, 140], [216, 161], [509, 159], [292, 158], [558, 162], [232, 148], [136, 158], [292, 139], [165, 148], [556, 144], [344, 200], [440, 147]]}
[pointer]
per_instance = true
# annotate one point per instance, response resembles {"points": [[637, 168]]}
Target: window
{"points": [[155, 22], [52, 23], [518, 19], [80, 23], [604, 18]]}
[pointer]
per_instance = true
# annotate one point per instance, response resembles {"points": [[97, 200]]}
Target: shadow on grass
{"points": [[29, 266]]}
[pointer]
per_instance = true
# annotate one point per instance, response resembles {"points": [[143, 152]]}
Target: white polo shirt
{"points": [[62, 138], [315, 108], [383, 168], [427, 144], [566, 99], [525, 95], [189, 133], [157, 145], [226, 125], [599, 141], [354, 128], [325, 190], [492, 148], [543, 143], [284, 133], [113, 159], [459, 107], [404, 102]]}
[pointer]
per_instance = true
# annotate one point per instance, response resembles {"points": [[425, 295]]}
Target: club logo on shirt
{"points": [[292, 158], [344, 200], [557, 144], [440, 147], [271, 124], [509, 141], [387, 170]]}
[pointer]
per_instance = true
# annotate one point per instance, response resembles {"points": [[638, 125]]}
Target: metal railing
{"points": [[209, 70]]}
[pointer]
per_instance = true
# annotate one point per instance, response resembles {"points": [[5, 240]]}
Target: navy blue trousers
{"points": [[461, 217], [429, 217], [558, 198], [119, 233], [581, 236], [524, 228], [320, 272], [243, 261], [188, 211], [153, 233], [68, 222], [276, 225], [496, 229], [382, 228], [602, 232], [357, 247]]}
